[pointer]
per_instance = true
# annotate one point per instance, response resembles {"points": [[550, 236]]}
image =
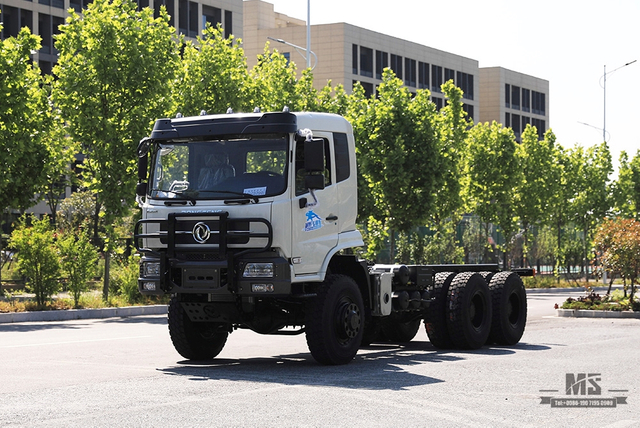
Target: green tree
{"points": [[114, 76], [591, 200], [400, 161], [212, 76], [491, 175], [78, 260], [23, 123], [62, 150], [532, 197], [564, 178], [626, 189], [273, 83], [37, 257]]}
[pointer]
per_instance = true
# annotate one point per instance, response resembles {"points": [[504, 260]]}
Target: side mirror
{"points": [[314, 182], [314, 155], [141, 189], [143, 164]]}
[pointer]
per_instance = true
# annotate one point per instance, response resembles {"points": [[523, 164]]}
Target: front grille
{"points": [[194, 257]]}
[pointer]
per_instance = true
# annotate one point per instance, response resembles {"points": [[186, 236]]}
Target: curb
{"points": [[588, 313], [82, 314], [570, 290]]}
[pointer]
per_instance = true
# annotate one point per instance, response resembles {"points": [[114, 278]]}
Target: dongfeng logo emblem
{"points": [[201, 232]]}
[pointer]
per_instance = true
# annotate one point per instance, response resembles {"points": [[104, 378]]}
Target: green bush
{"points": [[124, 280], [78, 260], [37, 257]]}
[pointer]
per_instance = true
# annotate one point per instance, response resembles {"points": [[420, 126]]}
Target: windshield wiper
{"points": [[248, 197], [184, 196]]}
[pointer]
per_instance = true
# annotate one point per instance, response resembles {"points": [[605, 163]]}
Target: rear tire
{"points": [[509, 308], [335, 321], [436, 322], [194, 340], [400, 332], [469, 311]]}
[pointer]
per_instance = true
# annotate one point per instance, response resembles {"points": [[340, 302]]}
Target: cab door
{"points": [[314, 220]]}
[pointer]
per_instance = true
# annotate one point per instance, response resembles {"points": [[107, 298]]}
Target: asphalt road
{"points": [[125, 372]]}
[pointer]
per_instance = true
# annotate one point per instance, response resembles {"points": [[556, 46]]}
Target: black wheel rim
{"points": [[513, 309], [348, 320], [477, 311]]}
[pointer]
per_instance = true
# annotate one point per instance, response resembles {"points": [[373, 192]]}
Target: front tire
{"points": [[194, 340], [335, 321]]}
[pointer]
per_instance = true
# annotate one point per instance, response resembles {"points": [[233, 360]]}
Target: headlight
{"points": [[151, 269], [258, 270]]}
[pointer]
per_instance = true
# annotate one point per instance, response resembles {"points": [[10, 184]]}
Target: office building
{"points": [[43, 17], [514, 99], [347, 54]]}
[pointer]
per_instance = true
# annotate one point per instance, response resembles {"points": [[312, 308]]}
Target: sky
{"points": [[567, 42]]}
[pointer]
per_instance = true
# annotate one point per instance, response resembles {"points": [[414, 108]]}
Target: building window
{"points": [[45, 67], [366, 62], [515, 97], [423, 75], [396, 65], [469, 109], [368, 88], [13, 20], [78, 5], [538, 103], [465, 82], [515, 124], [211, 15], [436, 78], [410, 72], [540, 127], [168, 4], [44, 23], [354, 59], [141, 4], [526, 100], [526, 120], [507, 96], [287, 56], [438, 102], [228, 23], [507, 120], [449, 74], [382, 62]]}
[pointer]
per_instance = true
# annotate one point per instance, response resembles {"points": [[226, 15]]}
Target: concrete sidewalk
{"points": [[79, 314]]}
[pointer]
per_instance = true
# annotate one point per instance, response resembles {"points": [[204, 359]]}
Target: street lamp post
{"points": [[309, 34], [300, 50], [604, 86]]}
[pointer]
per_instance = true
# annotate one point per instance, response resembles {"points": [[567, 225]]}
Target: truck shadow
{"points": [[377, 367]]}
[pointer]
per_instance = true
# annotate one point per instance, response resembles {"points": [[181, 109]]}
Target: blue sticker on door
{"points": [[314, 222]]}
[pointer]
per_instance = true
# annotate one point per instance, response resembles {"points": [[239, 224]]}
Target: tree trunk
{"points": [[105, 286]]}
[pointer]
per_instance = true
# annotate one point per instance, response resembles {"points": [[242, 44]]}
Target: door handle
{"points": [[332, 218]]}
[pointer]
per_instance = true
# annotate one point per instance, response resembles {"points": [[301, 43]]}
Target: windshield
{"points": [[223, 169]]}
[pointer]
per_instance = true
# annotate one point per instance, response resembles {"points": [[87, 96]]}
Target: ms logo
{"points": [[583, 384]]}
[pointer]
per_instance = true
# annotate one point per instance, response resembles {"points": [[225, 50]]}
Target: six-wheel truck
{"points": [[248, 221]]}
